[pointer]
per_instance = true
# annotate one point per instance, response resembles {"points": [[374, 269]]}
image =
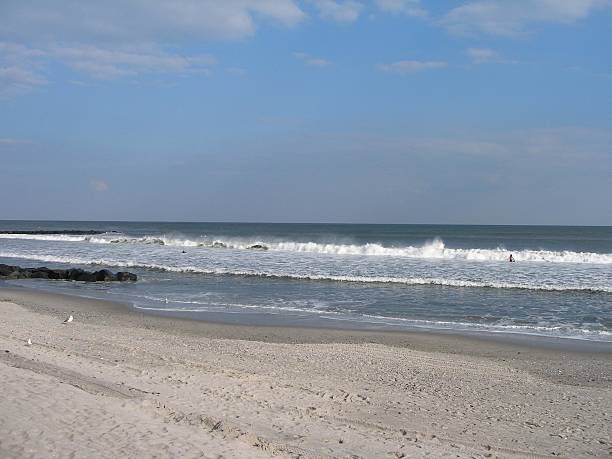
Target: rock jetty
{"points": [[46, 232], [73, 274]]}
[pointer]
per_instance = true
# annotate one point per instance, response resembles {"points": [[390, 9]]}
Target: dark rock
{"points": [[38, 274], [258, 247], [57, 274], [71, 232], [86, 277], [43, 272], [104, 275], [74, 274], [5, 270], [53, 273], [124, 276]]}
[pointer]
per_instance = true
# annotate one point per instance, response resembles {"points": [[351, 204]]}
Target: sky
{"points": [[372, 111]]}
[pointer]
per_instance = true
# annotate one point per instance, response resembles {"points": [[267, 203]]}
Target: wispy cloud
{"points": [[22, 68], [503, 17], [311, 60], [109, 64], [16, 80], [339, 11], [411, 67], [12, 142], [408, 7], [238, 71], [482, 55], [18, 72]]}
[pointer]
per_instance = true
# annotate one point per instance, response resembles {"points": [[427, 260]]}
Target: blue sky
{"points": [[389, 111]]}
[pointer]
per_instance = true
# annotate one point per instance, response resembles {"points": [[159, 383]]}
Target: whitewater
{"points": [[432, 249], [423, 276]]}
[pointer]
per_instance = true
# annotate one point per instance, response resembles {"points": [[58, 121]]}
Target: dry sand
{"points": [[115, 383]]}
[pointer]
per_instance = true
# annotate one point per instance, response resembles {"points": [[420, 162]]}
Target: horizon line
{"points": [[304, 223]]}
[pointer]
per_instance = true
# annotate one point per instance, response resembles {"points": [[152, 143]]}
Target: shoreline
{"points": [[543, 353], [131, 384], [227, 325]]}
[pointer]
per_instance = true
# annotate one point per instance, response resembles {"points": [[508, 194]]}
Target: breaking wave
{"points": [[314, 277], [434, 249]]}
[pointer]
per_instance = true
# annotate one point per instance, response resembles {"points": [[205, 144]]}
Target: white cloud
{"points": [[408, 7], [238, 71], [551, 144], [110, 40], [13, 142], [340, 11], [144, 21], [21, 67], [410, 67], [109, 64], [18, 75], [511, 17], [99, 185], [482, 55], [310, 60], [16, 80]]}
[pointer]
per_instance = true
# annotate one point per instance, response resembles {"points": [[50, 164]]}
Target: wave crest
{"points": [[435, 249]]}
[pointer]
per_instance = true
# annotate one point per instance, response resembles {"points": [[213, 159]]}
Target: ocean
{"points": [[451, 277]]}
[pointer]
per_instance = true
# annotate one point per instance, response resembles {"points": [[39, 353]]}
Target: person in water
{"points": [[511, 259]]}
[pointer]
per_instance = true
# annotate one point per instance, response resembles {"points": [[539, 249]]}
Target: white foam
{"points": [[565, 331], [47, 237], [435, 249], [208, 306]]}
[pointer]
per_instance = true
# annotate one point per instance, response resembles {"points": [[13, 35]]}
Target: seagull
{"points": [[69, 319], [29, 342]]}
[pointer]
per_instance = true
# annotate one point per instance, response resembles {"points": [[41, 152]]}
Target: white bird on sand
{"points": [[29, 342], [69, 319]]}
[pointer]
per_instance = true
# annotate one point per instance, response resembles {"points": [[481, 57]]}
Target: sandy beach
{"points": [[353, 229], [115, 383]]}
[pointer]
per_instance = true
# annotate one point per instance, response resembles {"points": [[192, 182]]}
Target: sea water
{"points": [[397, 276]]}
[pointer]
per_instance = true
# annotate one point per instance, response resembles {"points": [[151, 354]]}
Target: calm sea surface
{"points": [[424, 276]]}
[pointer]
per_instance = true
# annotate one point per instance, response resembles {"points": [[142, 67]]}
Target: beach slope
{"points": [[117, 383]]}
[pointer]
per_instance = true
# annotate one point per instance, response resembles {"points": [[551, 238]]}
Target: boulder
{"points": [[19, 275], [86, 276], [5, 270], [124, 276], [74, 273], [104, 275], [57, 274], [44, 273], [37, 273], [258, 247]]}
